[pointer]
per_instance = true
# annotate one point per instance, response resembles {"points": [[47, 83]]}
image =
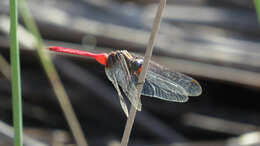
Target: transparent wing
{"points": [[191, 86], [160, 87], [123, 78], [112, 78], [165, 84]]}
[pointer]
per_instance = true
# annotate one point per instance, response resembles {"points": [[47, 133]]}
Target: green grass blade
{"points": [[257, 7], [53, 76], [15, 74]]}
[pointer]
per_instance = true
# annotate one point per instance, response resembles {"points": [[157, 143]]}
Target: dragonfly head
{"points": [[136, 65]]}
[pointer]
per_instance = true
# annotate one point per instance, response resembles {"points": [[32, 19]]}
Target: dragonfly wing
{"points": [[160, 87], [191, 86], [112, 78], [124, 81]]}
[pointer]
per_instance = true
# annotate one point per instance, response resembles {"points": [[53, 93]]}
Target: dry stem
{"points": [[148, 54]]}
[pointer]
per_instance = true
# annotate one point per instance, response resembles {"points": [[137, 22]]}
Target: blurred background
{"points": [[214, 41]]}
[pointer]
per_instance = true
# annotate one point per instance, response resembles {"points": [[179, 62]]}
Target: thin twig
{"points": [[53, 77], [148, 54]]}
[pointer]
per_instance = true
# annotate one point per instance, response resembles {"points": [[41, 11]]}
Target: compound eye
{"points": [[137, 64]]}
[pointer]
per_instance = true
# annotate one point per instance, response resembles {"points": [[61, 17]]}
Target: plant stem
{"points": [[257, 7], [16, 76], [53, 77], [141, 80]]}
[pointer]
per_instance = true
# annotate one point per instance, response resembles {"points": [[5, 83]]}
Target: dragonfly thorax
{"points": [[110, 59], [123, 57]]}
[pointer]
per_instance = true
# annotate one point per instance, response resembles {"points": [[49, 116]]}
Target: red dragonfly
{"points": [[123, 69]]}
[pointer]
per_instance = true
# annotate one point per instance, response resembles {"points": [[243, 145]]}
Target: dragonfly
{"points": [[123, 69]]}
